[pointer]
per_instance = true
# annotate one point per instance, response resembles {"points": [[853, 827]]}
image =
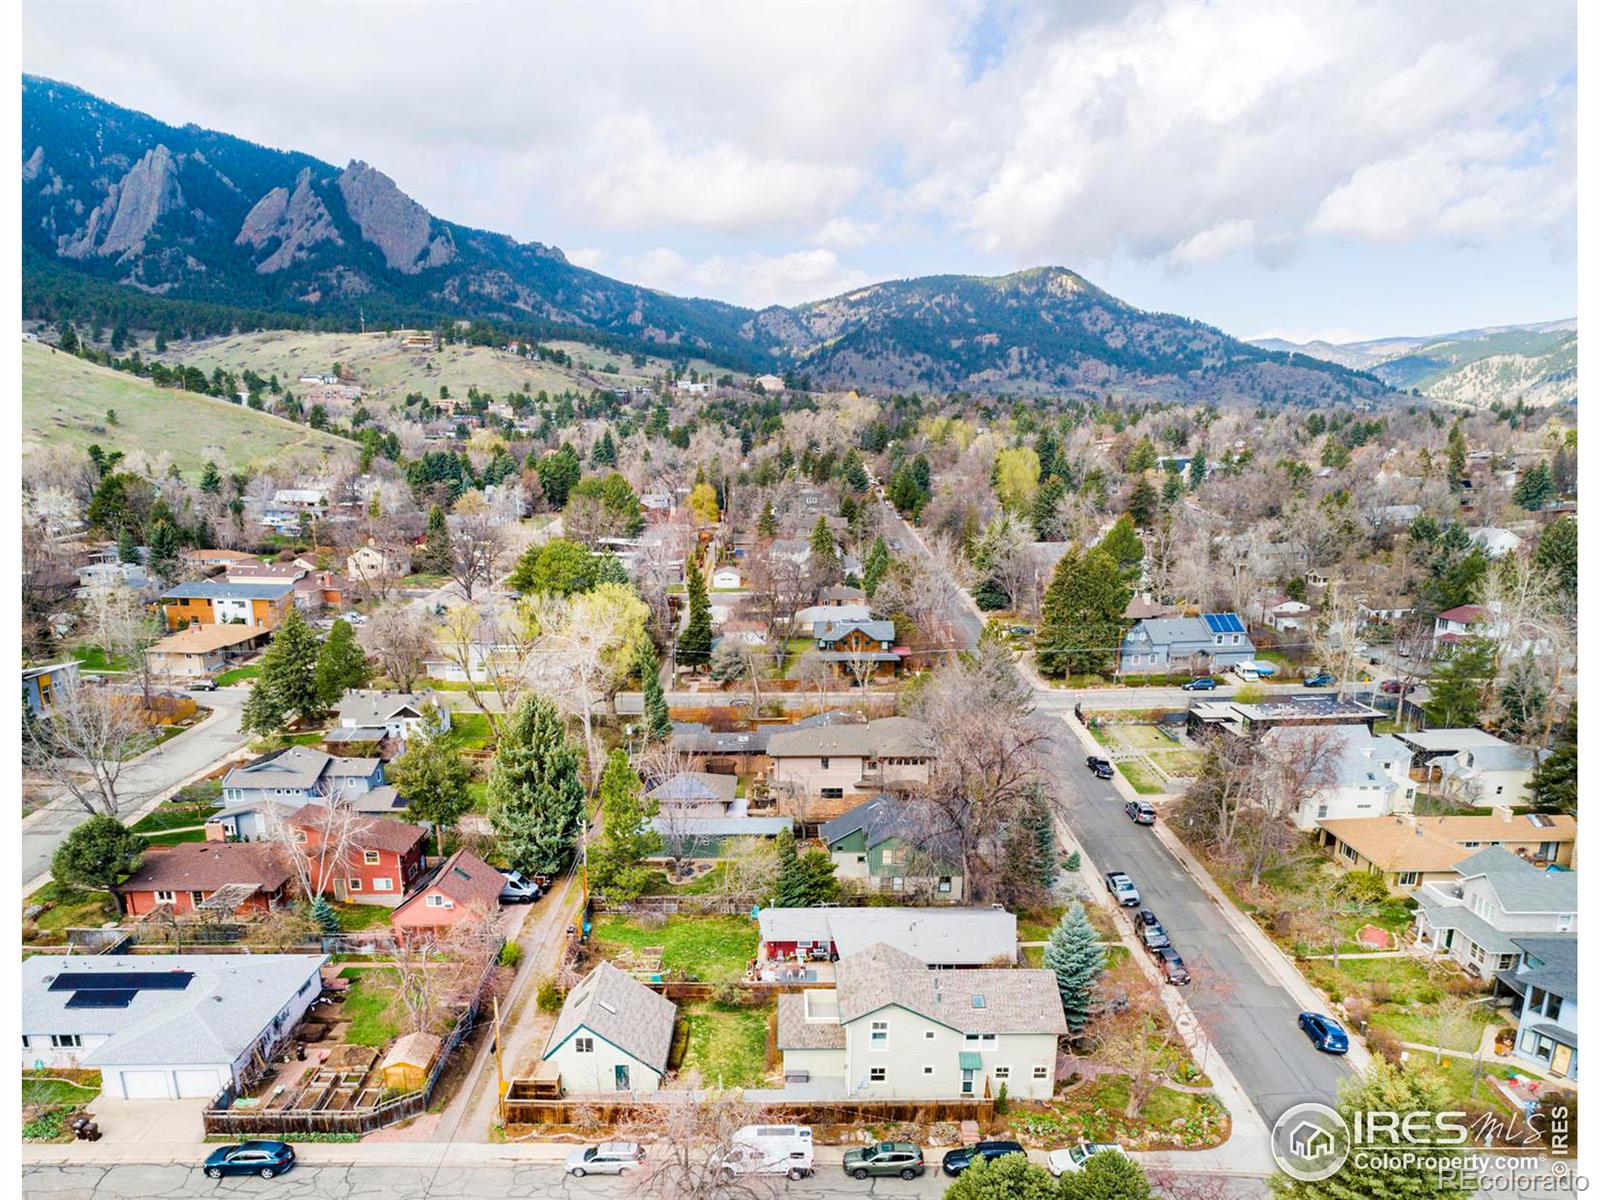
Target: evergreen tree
{"points": [[818, 882], [1126, 548], [1197, 470], [694, 645], [1142, 502], [341, 664], [1105, 1177], [287, 685], [872, 571], [1555, 783], [1046, 525], [1077, 959], [605, 450], [1072, 862], [854, 472], [1008, 1177], [98, 854], [437, 553], [327, 920], [535, 791], [1042, 826], [824, 560], [432, 776], [1536, 487], [609, 569], [127, 546], [1081, 629], [1523, 699], [616, 864], [1460, 685], [767, 522], [790, 886], [1171, 490], [165, 554], [1557, 552], [211, 480], [657, 718]]}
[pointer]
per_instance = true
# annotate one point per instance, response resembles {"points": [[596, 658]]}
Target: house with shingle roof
{"points": [[300, 774], [1495, 898], [461, 888], [893, 1029], [849, 760], [1364, 775], [367, 716], [878, 844], [936, 937], [1209, 642], [614, 1034], [1545, 984], [232, 877], [382, 860], [212, 603]]}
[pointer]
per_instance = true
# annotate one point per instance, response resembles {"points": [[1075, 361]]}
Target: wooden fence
{"points": [[519, 1108]]}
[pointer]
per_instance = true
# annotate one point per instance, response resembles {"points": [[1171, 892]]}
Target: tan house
{"points": [[1541, 838], [1396, 848], [368, 563], [204, 649], [848, 761]]}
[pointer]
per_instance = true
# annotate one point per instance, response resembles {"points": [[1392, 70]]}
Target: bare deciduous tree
{"points": [[316, 840], [702, 1149], [400, 637], [476, 547], [84, 742]]}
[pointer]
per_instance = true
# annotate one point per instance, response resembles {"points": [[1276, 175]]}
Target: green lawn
{"points": [[727, 1045], [712, 948], [701, 885], [478, 790], [94, 659], [173, 815], [1406, 979], [43, 1088], [71, 908], [1412, 1025], [174, 837], [1037, 926], [355, 917], [469, 730], [1455, 1075], [1144, 782], [237, 675], [372, 1007]]}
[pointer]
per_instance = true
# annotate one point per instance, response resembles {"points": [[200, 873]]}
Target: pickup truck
{"points": [[1121, 887], [1101, 767]]}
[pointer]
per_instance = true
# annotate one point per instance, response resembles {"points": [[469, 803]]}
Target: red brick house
{"points": [[463, 887], [383, 862], [252, 878]]}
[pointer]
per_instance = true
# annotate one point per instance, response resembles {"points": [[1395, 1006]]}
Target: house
{"points": [[1500, 774], [302, 499], [935, 937], [256, 571], [1303, 708], [613, 1035], [382, 859], [742, 752], [846, 760], [1494, 898], [1285, 615], [113, 575], [222, 878], [386, 716], [699, 813], [877, 846], [1365, 776], [861, 647], [300, 774], [1456, 623], [1398, 849], [1142, 608], [1496, 543], [204, 649], [368, 563], [1545, 982], [462, 887], [1161, 645], [769, 383], [257, 604], [216, 560], [726, 579], [164, 1026], [808, 618], [1541, 838], [42, 685], [893, 1029], [704, 795], [840, 594], [405, 1068]]}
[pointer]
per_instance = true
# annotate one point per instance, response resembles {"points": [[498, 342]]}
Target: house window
{"points": [[1041, 1072], [583, 1045], [824, 764], [1002, 1072], [435, 900], [353, 884], [861, 858], [197, 897], [877, 1074], [383, 883], [879, 1039], [166, 897], [62, 1040], [1410, 878], [944, 883], [927, 1070], [1348, 851], [928, 1035], [897, 884], [371, 857], [833, 793]]}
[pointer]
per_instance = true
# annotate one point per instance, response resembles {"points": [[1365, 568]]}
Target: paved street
{"points": [[144, 780]]}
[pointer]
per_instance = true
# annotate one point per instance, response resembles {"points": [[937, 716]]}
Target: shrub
{"points": [[1073, 861], [1385, 1043], [1363, 887], [1380, 991], [1002, 1101], [510, 954], [46, 1126], [550, 996]]}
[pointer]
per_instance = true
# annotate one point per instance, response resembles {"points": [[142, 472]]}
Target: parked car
{"points": [[1391, 687], [1021, 630], [608, 1158], [1155, 938], [1145, 917], [203, 684], [518, 889], [265, 1159], [1141, 811], [1204, 684], [1121, 887], [1172, 968], [1101, 767], [962, 1157], [1325, 1033], [885, 1158], [770, 1150], [1321, 679], [1070, 1159]]}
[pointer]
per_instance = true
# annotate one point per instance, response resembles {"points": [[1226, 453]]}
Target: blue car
{"points": [[1325, 1033], [1320, 679], [1204, 684], [265, 1159]]}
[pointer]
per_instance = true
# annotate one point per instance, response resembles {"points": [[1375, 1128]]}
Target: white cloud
{"points": [[591, 257], [1220, 240], [846, 233], [754, 279]]}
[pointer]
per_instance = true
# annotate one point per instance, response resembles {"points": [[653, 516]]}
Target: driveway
{"points": [[160, 1125]]}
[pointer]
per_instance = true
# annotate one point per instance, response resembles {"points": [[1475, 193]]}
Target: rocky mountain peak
{"points": [[393, 221], [119, 224], [295, 220]]}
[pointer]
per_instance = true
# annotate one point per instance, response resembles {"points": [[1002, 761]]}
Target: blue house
{"points": [[1546, 980], [1163, 645]]}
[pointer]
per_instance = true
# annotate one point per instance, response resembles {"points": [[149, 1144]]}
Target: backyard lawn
{"points": [[1185, 764], [72, 908], [43, 1087], [727, 1045], [355, 917], [1143, 780], [175, 814], [372, 1006], [713, 948], [469, 730], [93, 659], [1414, 1024]]}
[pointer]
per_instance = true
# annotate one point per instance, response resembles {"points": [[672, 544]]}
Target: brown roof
{"points": [[1396, 844], [466, 879], [218, 556], [374, 833], [1518, 827], [206, 866], [241, 572], [198, 639]]}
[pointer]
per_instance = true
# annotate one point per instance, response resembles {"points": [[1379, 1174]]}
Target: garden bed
{"points": [[1094, 1112], [69, 908]]}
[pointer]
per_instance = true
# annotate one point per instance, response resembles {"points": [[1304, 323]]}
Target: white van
{"points": [[770, 1150]]}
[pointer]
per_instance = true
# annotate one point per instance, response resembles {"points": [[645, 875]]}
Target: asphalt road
{"points": [[534, 1180]]}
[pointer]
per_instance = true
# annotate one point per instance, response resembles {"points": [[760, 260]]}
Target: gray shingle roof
{"points": [[691, 737], [617, 1007], [948, 936], [226, 1007], [797, 1033], [1558, 962], [375, 708], [971, 1000], [888, 737], [696, 787], [828, 632], [1520, 886], [1462, 918], [228, 591]]}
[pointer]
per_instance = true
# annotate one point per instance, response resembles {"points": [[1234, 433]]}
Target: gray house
{"points": [[1546, 981], [1210, 642], [298, 775]]}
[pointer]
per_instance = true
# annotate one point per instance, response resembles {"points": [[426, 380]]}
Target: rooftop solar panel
{"points": [[121, 981], [106, 998]]}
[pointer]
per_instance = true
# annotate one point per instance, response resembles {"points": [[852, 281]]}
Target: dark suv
{"points": [[1101, 767], [962, 1157], [1172, 968]]}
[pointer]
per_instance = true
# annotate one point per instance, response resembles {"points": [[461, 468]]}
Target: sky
{"points": [[1335, 170]]}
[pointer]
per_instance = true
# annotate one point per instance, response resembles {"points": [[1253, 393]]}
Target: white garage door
{"points": [[145, 1085], [198, 1084]]}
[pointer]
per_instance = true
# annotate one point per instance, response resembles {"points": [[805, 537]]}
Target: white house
{"points": [[1367, 776], [368, 563], [1497, 774], [1495, 898], [164, 1026], [613, 1035], [1285, 615], [726, 578], [893, 1029], [376, 716], [1496, 543]]}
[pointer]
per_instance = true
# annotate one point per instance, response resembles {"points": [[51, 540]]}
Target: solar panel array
{"points": [[115, 989], [1223, 622], [107, 998]]}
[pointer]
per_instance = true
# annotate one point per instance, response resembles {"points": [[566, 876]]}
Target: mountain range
{"points": [[116, 202], [1536, 364]]}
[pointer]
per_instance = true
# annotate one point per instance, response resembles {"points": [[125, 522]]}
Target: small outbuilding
{"points": [[405, 1068]]}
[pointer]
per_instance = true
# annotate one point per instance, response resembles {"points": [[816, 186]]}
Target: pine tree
{"points": [[127, 547], [1043, 827], [165, 554], [1197, 470], [1077, 959], [1081, 629], [694, 645], [657, 718], [1072, 862], [605, 450], [1142, 503], [432, 776], [767, 522], [818, 881], [1126, 548], [790, 891], [1459, 687], [1046, 525], [535, 791], [824, 560], [616, 865], [327, 920], [211, 480], [341, 664], [1557, 552], [287, 685], [872, 571], [1535, 488], [1555, 783], [437, 552]]}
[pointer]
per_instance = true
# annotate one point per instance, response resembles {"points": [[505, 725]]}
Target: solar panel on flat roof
{"points": [[120, 981], [107, 998]]}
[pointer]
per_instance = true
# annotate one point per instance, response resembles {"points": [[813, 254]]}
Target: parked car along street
{"points": [[1101, 767], [1172, 968], [609, 1158], [1070, 1159], [1204, 684], [1121, 887], [885, 1158], [962, 1157], [1325, 1033], [1141, 811], [265, 1159]]}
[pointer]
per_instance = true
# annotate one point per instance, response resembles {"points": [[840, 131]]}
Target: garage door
{"points": [[198, 1084], [145, 1085]]}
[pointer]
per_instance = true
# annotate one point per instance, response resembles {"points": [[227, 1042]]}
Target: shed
{"points": [[405, 1068]]}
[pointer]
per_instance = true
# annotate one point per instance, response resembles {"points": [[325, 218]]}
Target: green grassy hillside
{"points": [[65, 401]]}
